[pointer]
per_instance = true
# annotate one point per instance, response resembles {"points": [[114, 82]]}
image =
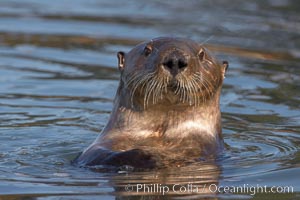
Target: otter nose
{"points": [[175, 62]]}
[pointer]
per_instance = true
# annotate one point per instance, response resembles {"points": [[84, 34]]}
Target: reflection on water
{"points": [[58, 76]]}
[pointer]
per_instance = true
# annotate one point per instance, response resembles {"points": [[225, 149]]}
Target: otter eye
{"points": [[201, 55], [148, 50]]}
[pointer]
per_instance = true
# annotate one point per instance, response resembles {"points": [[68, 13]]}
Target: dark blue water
{"points": [[58, 77]]}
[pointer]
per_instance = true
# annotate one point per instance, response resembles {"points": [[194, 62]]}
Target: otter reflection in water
{"points": [[166, 110]]}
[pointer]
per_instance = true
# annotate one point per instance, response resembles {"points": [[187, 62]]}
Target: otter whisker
{"points": [[185, 88], [177, 87], [190, 91], [204, 83], [155, 91], [147, 93], [137, 84], [195, 87], [137, 81], [132, 77], [166, 82], [160, 88], [208, 86], [181, 89]]}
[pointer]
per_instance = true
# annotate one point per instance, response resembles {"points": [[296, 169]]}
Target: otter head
{"points": [[169, 72]]}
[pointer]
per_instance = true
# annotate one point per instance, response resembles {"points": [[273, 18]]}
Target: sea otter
{"points": [[166, 109]]}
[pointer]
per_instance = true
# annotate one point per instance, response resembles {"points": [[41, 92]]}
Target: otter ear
{"points": [[225, 66], [121, 60]]}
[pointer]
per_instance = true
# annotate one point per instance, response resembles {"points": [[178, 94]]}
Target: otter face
{"points": [[170, 69]]}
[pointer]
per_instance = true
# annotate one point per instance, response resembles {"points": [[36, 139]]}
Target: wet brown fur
{"points": [[162, 117]]}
